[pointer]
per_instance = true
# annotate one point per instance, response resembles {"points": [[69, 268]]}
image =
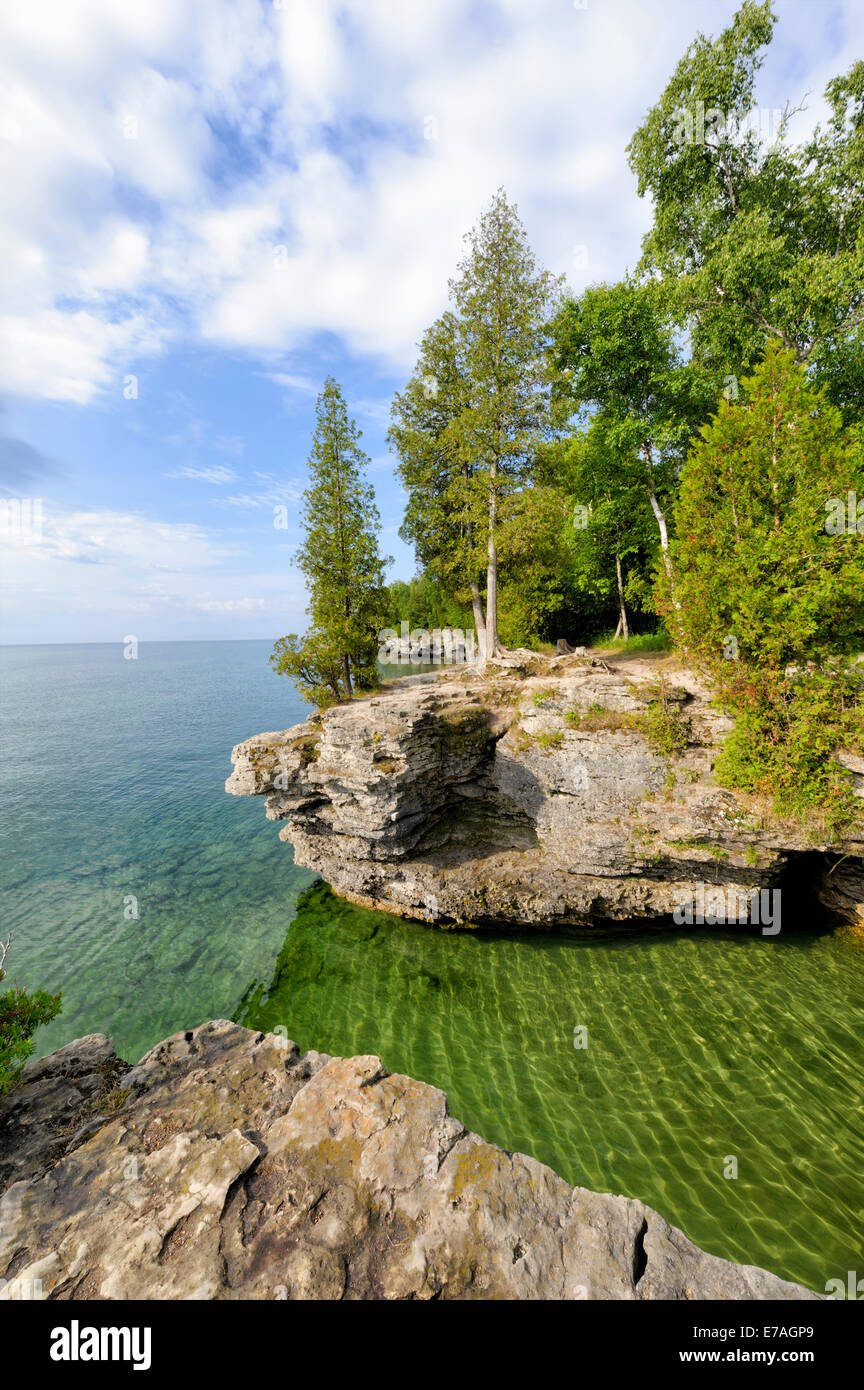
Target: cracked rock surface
{"points": [[225, 1165], [529, 799]]}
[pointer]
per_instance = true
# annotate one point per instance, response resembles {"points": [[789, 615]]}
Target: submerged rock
{"points": [[228, 1166], [533, 797]]}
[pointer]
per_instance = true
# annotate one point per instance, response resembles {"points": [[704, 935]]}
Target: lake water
{"points": [[702, 1047]]}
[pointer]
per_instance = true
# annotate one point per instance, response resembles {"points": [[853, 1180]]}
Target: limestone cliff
{"points": [[225, 1165], [534, 796]]}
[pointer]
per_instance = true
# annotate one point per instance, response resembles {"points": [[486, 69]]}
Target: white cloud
{"points": [[69, 356], [230, 605], [272, 492], [112, 572], [254, 176], [219, 474], [306, 385]]}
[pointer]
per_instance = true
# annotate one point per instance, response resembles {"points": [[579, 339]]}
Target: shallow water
{"points": [[701, 1046], [111, 789]]}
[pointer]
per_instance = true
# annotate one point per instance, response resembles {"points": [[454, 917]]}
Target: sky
{"points": [[211, 205]]}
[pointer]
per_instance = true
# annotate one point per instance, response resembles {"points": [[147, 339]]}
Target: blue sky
{"points": [[211, 205]]}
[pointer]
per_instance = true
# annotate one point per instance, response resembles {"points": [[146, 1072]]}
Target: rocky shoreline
{"points": [[532, 796], [225, 1165]]}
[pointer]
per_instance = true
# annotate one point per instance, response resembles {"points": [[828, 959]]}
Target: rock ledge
{"points": [[225, 1165]]}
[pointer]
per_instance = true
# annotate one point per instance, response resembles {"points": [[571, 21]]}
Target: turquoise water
{"points": [[702, 1046], [111, 787]]}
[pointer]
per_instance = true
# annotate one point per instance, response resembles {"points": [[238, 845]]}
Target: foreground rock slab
{"points": [[228, 1166]]}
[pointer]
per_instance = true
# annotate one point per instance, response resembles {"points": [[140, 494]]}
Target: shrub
{"points": [[20, 1015], [769, 587], [663, 723]]}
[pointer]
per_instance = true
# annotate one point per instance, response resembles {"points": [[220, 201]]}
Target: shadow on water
{"points": [[703, 1047]]}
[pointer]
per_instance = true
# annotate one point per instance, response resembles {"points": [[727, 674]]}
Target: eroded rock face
{"points": [[522, 799], [58, 1105], [227, 1166]]}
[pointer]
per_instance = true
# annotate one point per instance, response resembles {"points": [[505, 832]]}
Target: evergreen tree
{"points": [[434, 470], [468, 424], [502, 302], [340, 559], [764, 550], [769, 588]]}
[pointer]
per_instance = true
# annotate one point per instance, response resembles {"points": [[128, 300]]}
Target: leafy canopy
{"points": [[756, 238]]}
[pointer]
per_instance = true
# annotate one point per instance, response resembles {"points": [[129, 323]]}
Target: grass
{"points": [[642, 642], [595, 718], [707, 847], [550, 741]]}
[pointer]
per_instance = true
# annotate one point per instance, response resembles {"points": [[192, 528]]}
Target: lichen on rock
{"points": [[235, 1168]]}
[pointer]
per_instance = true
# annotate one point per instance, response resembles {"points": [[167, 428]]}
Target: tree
{"points": [[536, 567], [341, 562], [502, 302], [757, 239], [769, 575], [618, 364], [614, 531], [469, 443], [434, 470], [764, 551]]}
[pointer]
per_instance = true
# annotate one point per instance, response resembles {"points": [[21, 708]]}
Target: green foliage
{"points": [[786, 731], [468, 424], [21, 1013], [550, 741], [536, 566], [756, 239], [643, 642], [752, 558], [424, 602], [435, 471], [663, 723], [341, 561], [544, 440], [314, 663], [595, 719], [615, 353], [769, 600]]}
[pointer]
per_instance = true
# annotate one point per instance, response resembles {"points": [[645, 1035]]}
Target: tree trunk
{"points": [[664, 543], [346, 676], [622, 621], [660, 518], [479, 620], [492, 568]]}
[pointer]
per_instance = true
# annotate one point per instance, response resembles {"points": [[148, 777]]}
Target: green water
{"points": [[701, 1046]]}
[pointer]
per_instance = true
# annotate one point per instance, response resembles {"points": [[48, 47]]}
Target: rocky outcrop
{"points": [[55, 1108], [540, 795], [228, 1166]]}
